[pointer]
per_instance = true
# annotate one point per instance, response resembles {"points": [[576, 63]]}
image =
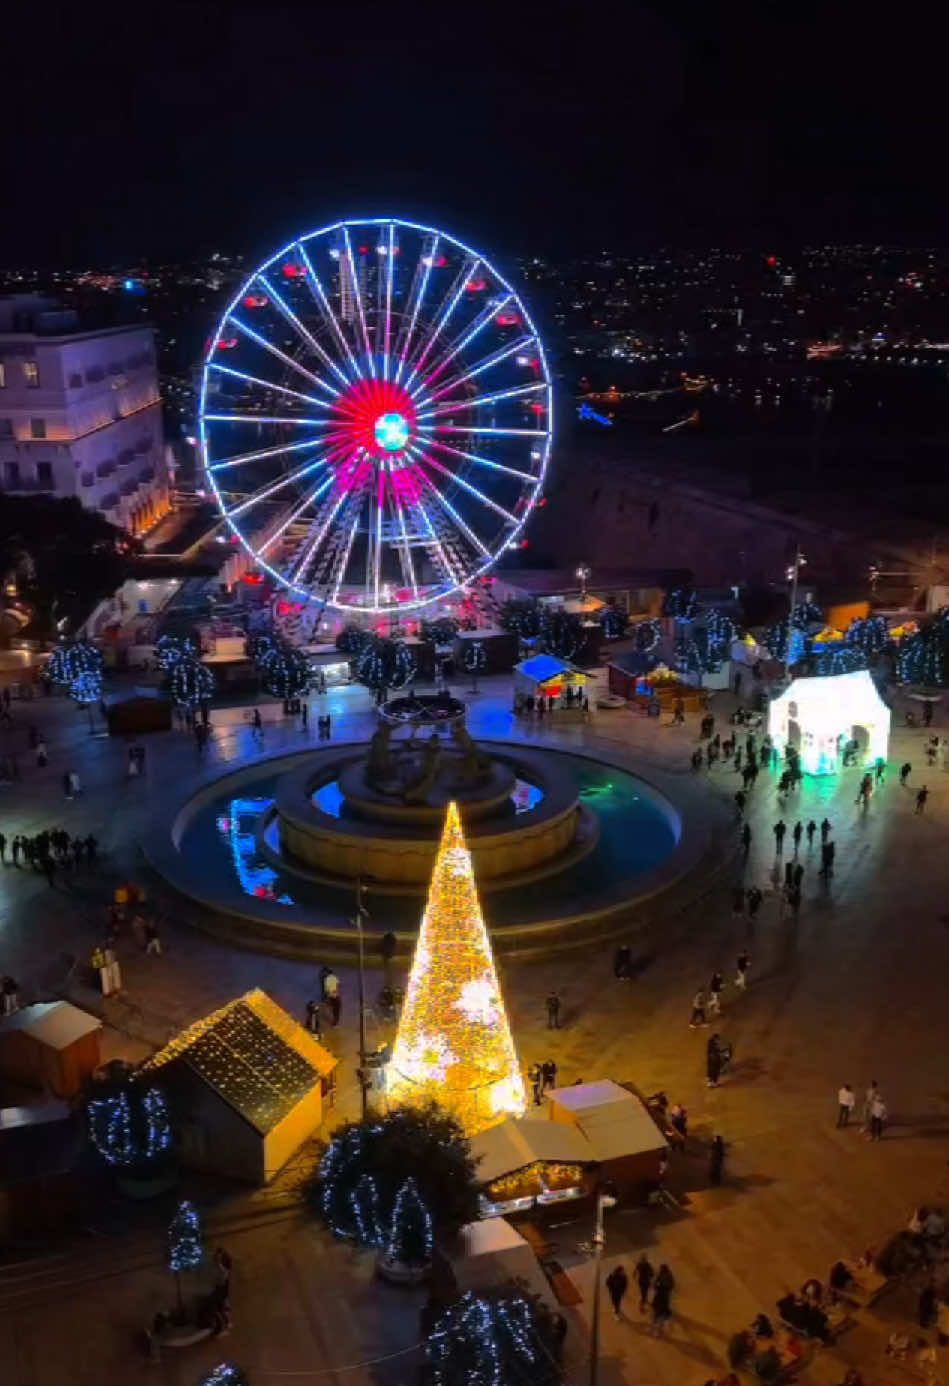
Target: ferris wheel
{"points": [[376, 416]]}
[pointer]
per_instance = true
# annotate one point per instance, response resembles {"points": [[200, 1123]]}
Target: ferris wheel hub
{"points": [[392, 432]]}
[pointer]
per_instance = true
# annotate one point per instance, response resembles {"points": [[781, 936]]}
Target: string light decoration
{"points": [[613, 622], [924, 657], [837, 659], [680, 604], [561, 632], [284, 671], [475, 660], [185, 1249], [440, 631], [688, 658], [498, 1337], [521, 618], [720, 631], [447, 1050], [352, 639], [362, 1177], [226, 1375], [131, 1127], [86, 687], [70, 660], [870, 634], [383, 664], [646, 636], [169, 649], [410, 1231], [191, 683]]}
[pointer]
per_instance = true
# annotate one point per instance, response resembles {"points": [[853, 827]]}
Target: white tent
{"points": [[819, 716]]}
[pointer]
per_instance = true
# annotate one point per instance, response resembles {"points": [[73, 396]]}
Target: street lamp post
{"points": [[603, 1201], [793, 577], [360, 915]]}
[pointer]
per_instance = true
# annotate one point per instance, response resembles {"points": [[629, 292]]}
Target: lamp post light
{"points": [[793, 576], [583, 573], [361, 914], [603, 1201]]}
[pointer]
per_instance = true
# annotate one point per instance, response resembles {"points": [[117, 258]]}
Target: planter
{"points": [[399, 1273]]}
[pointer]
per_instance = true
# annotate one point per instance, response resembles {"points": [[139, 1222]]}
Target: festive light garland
{"points": [[681, 604], [69, 661], [475, 657], [364, 1204], [385, 664], [922, 659], [191, 683], [837, 659], [226, 1375], [461, 1056], [185, 1251], [410, 1232], [169, 649], [870, 634], [613, 622], [284, 670], [86, 687], [646, 636], [112, 1122], [482, 1332]]}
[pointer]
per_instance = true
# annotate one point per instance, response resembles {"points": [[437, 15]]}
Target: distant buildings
{"points": [[80, 413]]}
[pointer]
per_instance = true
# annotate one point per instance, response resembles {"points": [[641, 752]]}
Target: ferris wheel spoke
{"points": [[450, 509], [428, 461], [450, 303], [486, 316], [407, 560], [309, 549], [357, 295], [323, 303], [266, 492], [295, 514], [239, 459], [390, 270], [269, 385], [482, 461], [476, 401], [287, 312], [455, 576], [485, 364], [347, 551], [496, 432], [420, 280], [253, 336], [270, 419]]}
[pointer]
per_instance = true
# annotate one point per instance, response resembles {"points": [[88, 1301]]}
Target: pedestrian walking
{"points": [[797, 876], [825, 827], [746, 839], [698, 1009], [715, 994], [921, 796], [535, 1076], [3, 848], [845, 1104], [740, 800], [811, 829], [313, 1017], [869, 1097], [617, 1283], [797, 834], [553, 1010], [742, 965], [622, 961], [42, 757], [548, 1071], [75, 784], [645, 1275], [304, 715], [152, 939], [780, 828], [716, 1160], [755, 899], [878, 1116], [662, 1301], [67, 784], [879, 769], [713, 1061], [827, 853], [788, 875], [256, 723], [905, 771], [336, 1007]]}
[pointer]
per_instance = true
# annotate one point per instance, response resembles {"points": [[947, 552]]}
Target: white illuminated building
{"points": [[819, 716]]}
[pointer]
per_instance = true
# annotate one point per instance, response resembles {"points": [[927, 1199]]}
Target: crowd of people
{"points": [[49, 852], [654, 1287]]}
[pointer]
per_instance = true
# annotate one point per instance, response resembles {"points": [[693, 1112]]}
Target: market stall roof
{"points": [[544, 667], [515, 1144], [492, 1252], [57, 1024], [614, 1121], [254, 1055]]}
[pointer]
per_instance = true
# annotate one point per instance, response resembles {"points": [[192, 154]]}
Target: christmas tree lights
{"points": [[226, 1375], [69, 661], [613, 622], [191, 683], [680, 603], [498, 1337], [871, 635], [454, 1043], [86, 687], [169, 649], [410, 1232], [923, 659], [830, 659], [646, 636], [384, 664], [284, 671], [131, 1127], [185, 1251]]}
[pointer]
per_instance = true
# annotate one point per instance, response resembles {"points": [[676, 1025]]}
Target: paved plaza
{"points": [[854, 988]]}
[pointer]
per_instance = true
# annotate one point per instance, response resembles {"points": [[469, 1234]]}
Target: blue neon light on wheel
{"points": [[376, 416]]}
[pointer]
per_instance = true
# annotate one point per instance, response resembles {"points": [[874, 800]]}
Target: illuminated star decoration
{"points": [[454, 1043]]}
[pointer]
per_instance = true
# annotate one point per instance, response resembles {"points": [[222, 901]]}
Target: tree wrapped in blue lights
{"points": [[441, 630], [185, 1247], [284, 671], [720, 631], [86, 688], [688, 657], [169, 649], [383, 664], [475, 660], [522, 618], [501, 1336], [68, 661], [226, 1375], [190, 683], [680, 604], [923, 659], [646, 636], [561, 632], [614, 622], [778, 636], [870, 634], [410, 1230], [836, 658], [260, 645], [369, 1163], [129, 1126], [352, 640]]}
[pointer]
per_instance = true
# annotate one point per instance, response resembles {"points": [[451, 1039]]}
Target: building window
{"points": [[31, 374], [44, 475], [11, 473], [37, 428], [6, 428]]}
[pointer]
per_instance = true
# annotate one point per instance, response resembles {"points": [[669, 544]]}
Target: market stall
{"points": [[819, 717], [554, 684], [529, 1164], [620, 1135]]}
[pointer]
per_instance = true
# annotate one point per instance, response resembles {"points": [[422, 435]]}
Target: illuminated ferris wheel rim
{"points": [[398, 423]]}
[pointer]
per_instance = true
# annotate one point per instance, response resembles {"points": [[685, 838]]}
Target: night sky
{"points": [[164, 130]]}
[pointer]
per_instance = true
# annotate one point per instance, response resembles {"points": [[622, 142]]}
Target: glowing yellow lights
{"points": [[454, 1043]]}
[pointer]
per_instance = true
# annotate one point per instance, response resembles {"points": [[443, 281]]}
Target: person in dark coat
{"points": [[713, 1060], [617, 1283], [716, 1161]]}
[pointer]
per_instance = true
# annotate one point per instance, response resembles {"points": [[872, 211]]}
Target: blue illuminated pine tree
{"points": [[502, 1336], [923, 659], [410, 1228], [226, 1375], [130, 1127], [185, 1248], [646, 636]]}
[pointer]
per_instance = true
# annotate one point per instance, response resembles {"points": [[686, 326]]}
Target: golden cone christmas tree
{"points": [[454, 1043]]}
